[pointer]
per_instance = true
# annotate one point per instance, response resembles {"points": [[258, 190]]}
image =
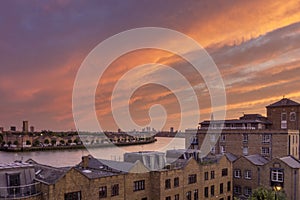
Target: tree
{"points": [[16, 142], [262, 193], [28, 142], [69, 141], [9, 143], [62, 142]]}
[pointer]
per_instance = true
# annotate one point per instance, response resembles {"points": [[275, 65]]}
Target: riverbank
{"points": [[66, 147]]}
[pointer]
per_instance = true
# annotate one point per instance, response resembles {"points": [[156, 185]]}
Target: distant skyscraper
{"points": [[32, 129], [25, 126]]}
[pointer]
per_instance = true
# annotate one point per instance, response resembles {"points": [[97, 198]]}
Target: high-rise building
{"points": [[25, 127]]}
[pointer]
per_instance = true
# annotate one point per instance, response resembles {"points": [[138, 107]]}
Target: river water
{"points": [[61, 158]]}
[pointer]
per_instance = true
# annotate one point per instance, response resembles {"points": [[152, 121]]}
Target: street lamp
{"points": [[277, 189]]}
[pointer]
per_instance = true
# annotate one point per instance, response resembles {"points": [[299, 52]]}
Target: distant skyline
{"points": [[255, 44]]}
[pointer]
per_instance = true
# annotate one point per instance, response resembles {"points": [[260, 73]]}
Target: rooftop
{"points": [[16, 164], [291, 161], [256, 159], [284, 102]]}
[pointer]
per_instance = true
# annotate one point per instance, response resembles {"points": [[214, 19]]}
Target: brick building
{"points": [[184, 179]]}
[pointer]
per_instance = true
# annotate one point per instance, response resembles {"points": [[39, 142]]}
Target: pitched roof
{"points": [[256, 159], [291, 161], [284, 102]]}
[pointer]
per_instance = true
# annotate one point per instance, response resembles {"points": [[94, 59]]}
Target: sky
{"points": [[255, 45]]}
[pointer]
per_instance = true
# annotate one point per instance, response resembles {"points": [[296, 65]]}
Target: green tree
{"points": [[46, 141], [262, 193], [9, 143], [69, 141], [28, 142], [16, 142], [62, 142]]}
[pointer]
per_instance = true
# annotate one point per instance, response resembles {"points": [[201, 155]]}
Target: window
{"points": [[229, 198], [266, 138], [247, 191], [221, 188], [222, 149], [139, 185], [115, 190], [228, 186], [73, 196], [212, 190], [245, 138], [292, 116], [168, 198], [237, 189], [237, 173], [277, 175], [213, 150], [176, 197], [168, 184], [224, 172], [196, 194], [265, 151], [212, 174], [13, 182], [206, 192], [189, 195], [245, 151], [192, 178], [283, 121], [223, 138], [145, 198], [103, 192], [176, 182], [248, 174], [205, 176]]}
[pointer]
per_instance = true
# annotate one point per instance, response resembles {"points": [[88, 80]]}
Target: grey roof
{"points": [[231, 157], [291, 161], [48, 174], [284, 102], [236, 121], [15, 165], [256, 159]]}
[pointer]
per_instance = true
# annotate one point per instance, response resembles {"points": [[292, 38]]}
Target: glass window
{"points": [[189, 195], [139, 185], [221, 188], [196, 194], [237, 173], [176, 182], [248, 174], [168, 184], [266, 138], [228, 186], [205, 176], [176, 197], [192, 178], [265, 151], [245, 138], [277, 175], [212, 190], [103, 192], [292, 116], [206, 192], [212, 174], [73, 196], [168, 198], [115, 190], [247, 191], [245, 151], [225, 172], [237, 189]]}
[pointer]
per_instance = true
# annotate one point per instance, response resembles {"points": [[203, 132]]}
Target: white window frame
{"points": [[264, 152], [245, 138], [277, 175], [222, 149], [237, 173], [247, 191], [248, 174], [245, 150], [266, 138], [283, 120]]}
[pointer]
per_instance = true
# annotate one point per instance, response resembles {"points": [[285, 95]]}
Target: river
{"points": [[62, 158]]}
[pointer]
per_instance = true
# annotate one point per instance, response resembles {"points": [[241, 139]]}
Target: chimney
{"points": [[85, 161]]}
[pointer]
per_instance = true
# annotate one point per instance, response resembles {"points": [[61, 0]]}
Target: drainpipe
{"points": [[295, 184]]}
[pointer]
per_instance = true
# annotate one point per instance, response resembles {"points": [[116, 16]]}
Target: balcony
{"points": [[20, 192]]}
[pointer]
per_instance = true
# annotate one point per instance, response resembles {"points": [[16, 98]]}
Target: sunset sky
{"points": [[255, 44]]}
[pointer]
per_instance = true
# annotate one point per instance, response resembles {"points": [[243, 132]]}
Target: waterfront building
{"points": [[258, 142], [184, 179]]}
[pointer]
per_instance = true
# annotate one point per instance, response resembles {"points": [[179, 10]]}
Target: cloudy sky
{"points": [[255, 44]]}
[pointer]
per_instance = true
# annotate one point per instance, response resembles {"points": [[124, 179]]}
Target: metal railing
{"points": [[20, 192]]}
